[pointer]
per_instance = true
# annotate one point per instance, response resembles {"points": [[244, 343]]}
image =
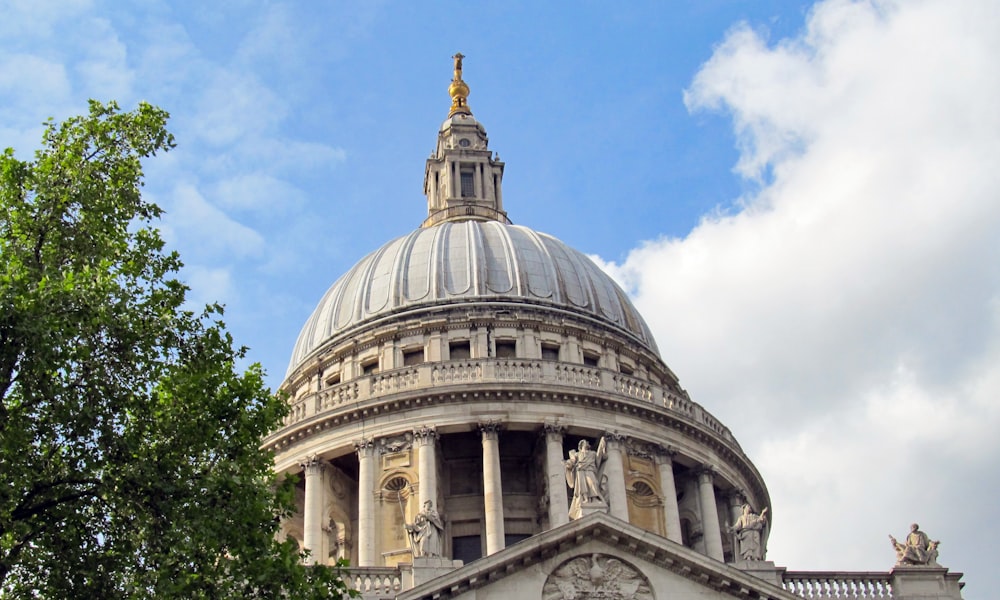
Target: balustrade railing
{"points": [[633, 388], [394, 381], [577, 375], [518, 370], [375, 583], [499, 370], [820, 585], [456, 372]]}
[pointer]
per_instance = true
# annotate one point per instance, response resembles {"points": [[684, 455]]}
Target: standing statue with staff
{"points": [[749, 534], [584, 474], [425, 532]]}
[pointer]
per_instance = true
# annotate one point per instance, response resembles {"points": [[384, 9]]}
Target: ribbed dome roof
{"points": [[468, 261]]}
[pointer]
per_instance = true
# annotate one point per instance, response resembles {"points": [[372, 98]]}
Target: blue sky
{"points": [[801, 199]]}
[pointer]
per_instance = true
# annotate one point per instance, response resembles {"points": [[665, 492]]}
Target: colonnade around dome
{"points": [[420, 407]]}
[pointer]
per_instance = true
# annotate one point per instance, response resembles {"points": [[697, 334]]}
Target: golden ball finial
{"points": [[458, 90]]}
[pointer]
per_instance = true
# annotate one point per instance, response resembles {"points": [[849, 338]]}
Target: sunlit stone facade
{"points": [[461, 364]]}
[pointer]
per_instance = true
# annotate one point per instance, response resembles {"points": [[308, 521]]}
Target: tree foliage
{"points": [[129, 440]]}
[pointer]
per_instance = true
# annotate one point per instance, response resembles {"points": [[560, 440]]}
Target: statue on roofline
{"points": [[917, 550]]}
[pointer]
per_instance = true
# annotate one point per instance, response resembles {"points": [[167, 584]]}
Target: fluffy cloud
{"points": [[843, 319], [193, 222]]}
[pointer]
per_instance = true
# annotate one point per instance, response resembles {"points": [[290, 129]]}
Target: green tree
{"points": [[129, 439]]}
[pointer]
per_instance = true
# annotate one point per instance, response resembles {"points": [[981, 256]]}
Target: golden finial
{"points": [[458, 90]]}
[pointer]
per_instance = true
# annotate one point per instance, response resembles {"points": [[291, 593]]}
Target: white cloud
{"points": [[103, 68], [195, 223], [207, 285], [844, 321], [235, 105], [259, 192]]}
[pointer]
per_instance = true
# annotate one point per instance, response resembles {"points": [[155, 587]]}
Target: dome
{"points": [[456, 367], [469, 261]]}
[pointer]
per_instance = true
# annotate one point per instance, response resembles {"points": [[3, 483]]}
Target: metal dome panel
{"points": [[468, 260]]}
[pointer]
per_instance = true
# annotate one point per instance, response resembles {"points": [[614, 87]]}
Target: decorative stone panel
{"points": [[596, 576]]}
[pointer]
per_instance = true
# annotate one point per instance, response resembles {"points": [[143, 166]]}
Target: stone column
{"points": [[614, 470], [426, 441], [366, 503], [492, 489], [710, 514], [555, 475], [672, 515], [736, 499], [312, 534]]}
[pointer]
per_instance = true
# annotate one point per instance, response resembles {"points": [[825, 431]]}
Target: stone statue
{"points": [[749, 532], [918, 550], [425, 532], [584, 474]]}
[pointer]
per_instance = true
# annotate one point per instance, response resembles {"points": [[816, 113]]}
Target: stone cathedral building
{"points": [[452, 386]]}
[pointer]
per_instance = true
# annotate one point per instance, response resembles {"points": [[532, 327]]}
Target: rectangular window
{"points": [[625, 369], [370, 368], [590, 359], [468, 183], [509, 539], [413, 357], [459, 350], [506, 349], [550, 352], [466, 548], [333, 380]]}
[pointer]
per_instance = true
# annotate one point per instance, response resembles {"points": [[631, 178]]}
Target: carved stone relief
{"points": [[596, 576]]}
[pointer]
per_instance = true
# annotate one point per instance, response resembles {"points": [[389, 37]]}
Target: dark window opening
{"points": [[550, 352], [370, 368], [466, 548], [625, 369], [506, 349], [510, 539], [459, 350], [590, 359], [333, 380], [468, 183], [413, 357]]}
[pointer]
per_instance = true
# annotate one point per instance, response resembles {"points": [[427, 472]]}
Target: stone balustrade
{"points": [[572, 378], [375, 583], [838, 584]]}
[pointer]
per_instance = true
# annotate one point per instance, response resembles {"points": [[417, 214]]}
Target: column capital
{"points": [[425, 435], [490, 428], [365, 447], [554, 430], [665, 453], [706, 473], [614, 438], [312, 463]]}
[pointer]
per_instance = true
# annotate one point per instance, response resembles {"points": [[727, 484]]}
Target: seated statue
{"points": [[918, 549]]}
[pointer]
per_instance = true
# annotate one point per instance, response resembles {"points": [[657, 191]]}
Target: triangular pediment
{"points": [[597, 556]]}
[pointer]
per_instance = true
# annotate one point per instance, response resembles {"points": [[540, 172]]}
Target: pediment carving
{"points": [[596, 576]]}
